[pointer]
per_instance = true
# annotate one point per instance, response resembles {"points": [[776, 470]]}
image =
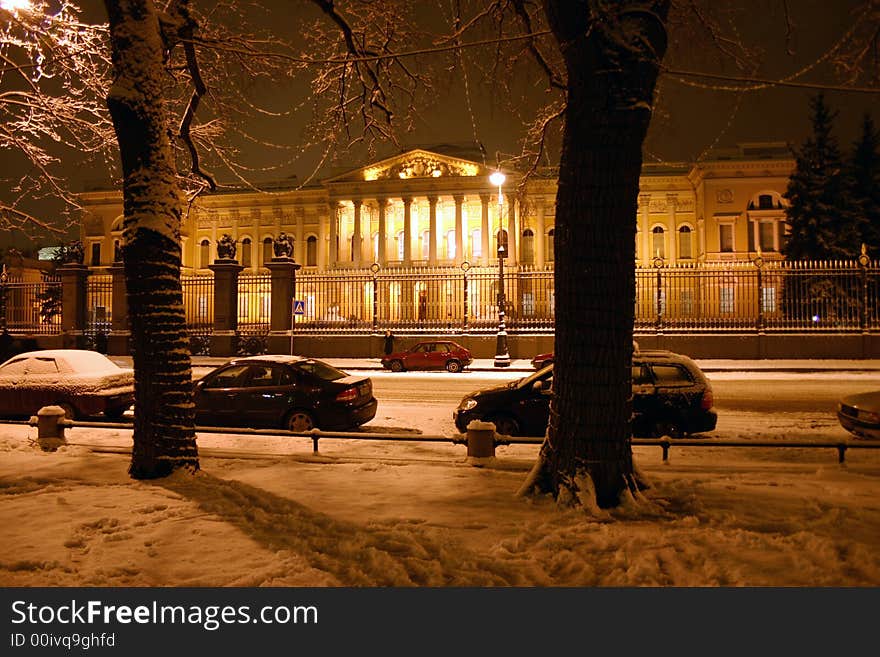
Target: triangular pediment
{"points": [[416, 163]]}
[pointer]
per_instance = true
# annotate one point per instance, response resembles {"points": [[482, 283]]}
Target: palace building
{"points": [[436, 207]]}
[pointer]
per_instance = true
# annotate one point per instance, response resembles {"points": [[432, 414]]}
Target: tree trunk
{"points": [[164, 435], [612, 52]]}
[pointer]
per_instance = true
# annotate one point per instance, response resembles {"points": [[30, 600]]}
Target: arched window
{"points": [[528, 246], [450, 244], [551, 249], [204, 253], [246, 252], [426, 244], [96, 254], [476, 243], [267, 250], [400, 240], [658, 242], [685, 242], [312, 251], [375, 247]]}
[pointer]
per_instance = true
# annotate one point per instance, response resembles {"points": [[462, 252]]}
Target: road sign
{"points": [[299, 307]]}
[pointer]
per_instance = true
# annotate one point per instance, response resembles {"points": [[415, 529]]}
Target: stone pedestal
{"points": [[283, 270], [223, 339], [73, 304]]}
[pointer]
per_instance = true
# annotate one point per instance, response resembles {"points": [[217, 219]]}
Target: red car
{"points": [[429, 355], [542, 360]]}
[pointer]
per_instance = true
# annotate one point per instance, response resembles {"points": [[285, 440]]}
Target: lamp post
{"points": [[502, 357]]}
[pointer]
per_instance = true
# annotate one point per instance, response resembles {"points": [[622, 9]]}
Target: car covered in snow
{"points": [[860, 414], [84, 383]]}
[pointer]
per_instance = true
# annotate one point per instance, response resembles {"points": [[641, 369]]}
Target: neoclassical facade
{"points": [[432, 208]]}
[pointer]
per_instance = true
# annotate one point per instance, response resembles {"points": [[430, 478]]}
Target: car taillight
{"points": [[347, 395], [708, 401]]}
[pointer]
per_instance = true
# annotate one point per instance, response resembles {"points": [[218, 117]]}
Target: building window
{"points": [[96, 254], [726, 300], [246, 252], [767, 235], [725, 238], [685, 241], [375, 247], [204, 254], [768, 299], [311, 251], [765, 202], [400, 240], [551, 248], [426, 244], [354, 247], [450, 244], [528, 246], [477, 243], [267, 250], [686, 301], [658, 242], [502, 236]]}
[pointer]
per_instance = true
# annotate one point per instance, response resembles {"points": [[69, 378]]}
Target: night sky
{"points": [[688, 121]]}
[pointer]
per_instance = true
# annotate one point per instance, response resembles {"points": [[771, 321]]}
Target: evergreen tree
{"points": [[821, 219], [864, 186]]}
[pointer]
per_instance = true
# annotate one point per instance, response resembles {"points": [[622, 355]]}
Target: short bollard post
{"points": [[480, 439], [50, 422]]}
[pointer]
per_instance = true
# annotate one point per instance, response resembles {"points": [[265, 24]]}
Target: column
{"points": [[74, 291], [459, 241], [283, 272], [356, 238], [432, 230], [512, 206], [299, 252], [540, 229], [120, 334], [671, 201], [407, 232], [223, 337], [484, 228], [647, 254], [334, 235], [383, 237], [322, 244]]}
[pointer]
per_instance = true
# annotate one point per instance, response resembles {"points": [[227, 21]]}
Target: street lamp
{"points": [[502, 357]]}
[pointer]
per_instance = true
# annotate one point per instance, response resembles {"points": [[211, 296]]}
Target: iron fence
{"points": [[740, 296]]}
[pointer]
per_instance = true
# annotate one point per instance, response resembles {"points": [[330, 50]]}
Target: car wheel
{"points": [[115, 413], [396, 366], [69, 411], [299, 421], [505, 425], [667, 427], [453, 366]]}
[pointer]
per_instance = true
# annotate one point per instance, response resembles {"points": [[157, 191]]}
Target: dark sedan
{"points": [[860, 414], [290, 392], [671, 397]]}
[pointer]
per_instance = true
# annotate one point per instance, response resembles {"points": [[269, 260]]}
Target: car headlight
{"points": [[468, 404]]}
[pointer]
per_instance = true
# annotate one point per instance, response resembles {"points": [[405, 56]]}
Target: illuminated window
{"points": [[658, 242]]}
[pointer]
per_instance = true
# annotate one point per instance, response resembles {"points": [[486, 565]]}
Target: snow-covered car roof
{"points": [[74, 360]]}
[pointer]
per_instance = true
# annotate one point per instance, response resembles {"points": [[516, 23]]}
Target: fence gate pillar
{"points": [[120, 333], [223, 338], [283, 270], [73, 304]]}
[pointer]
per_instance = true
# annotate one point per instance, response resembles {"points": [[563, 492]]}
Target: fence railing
{"points": [[740, 296]]}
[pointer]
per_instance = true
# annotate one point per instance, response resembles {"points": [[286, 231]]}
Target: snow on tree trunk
{"points": [[612, 53], [164, 435]]}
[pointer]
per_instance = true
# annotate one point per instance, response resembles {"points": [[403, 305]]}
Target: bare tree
{"points": [[53, 78]]}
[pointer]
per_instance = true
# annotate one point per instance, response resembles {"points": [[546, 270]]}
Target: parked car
{"points": [[860, 414], [429, 355], [82, 382], [671, 397], [290, 392], [541, 361]]}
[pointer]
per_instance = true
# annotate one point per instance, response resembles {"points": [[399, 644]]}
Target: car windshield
{"points": [[540, 375], [321, 370]]}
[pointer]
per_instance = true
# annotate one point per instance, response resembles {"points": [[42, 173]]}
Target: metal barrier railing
{"points": [[315, 435]]}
